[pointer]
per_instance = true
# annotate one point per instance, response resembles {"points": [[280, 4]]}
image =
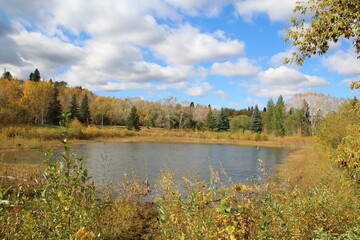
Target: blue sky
{"points": [[220, 52]]}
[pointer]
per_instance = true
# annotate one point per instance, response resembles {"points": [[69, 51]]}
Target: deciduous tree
{"points": [[330, 21]]}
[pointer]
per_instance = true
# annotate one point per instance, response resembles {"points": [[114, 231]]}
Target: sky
{"points": [[226, 53]]}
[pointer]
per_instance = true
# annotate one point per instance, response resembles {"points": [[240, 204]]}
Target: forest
{"points": [[37, 101]]}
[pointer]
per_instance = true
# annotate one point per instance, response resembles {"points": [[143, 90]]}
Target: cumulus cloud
{"points": [[241, 68], [199, 90], [221, 94], [344, 63], [276, 10], [347, 82], [277, 59], [186, 45], [284, 81]]}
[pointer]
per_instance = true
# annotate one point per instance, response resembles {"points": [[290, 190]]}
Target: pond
{"points": [[107, 162]]}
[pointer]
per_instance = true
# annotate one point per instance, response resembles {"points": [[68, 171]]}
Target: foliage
{"points": [[210, 121], [210, 210], [74, 108], [84, 112], [54, 108], [64, 205], [255, 122], [35, 77], [268, 115], [240, 122], [7, 75], [278, 118], [330, 20], [132, 121], [222, 120], [347, 153], [330, 133]]}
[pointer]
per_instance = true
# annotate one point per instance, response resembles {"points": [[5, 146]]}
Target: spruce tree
{"points": [[132, 121], [278, 118], [210, 122], [255, 122], [84, 112], [74, 108], [54, 108], [222, 121]]}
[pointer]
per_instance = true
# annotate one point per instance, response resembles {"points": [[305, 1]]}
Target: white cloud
{"points": [[199, 90], [242, 68], [349, 81], [186, 45], [277, 10], [222, 94], [284, 81], [253, 101], [277, 59], [344, 63]]}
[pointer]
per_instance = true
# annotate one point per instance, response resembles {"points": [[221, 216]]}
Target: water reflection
{"points": [[107, 162]]}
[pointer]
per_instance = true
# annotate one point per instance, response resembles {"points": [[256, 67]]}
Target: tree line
{"points": [[38, 101]]}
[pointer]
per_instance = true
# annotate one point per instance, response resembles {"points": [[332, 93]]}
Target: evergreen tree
{"points": [[192, 105], [74, 108], [222, 121], [7, 75], [305, 119], [278, 118], [210, 122], [35, 77], [267, 116], [84, 112], [132, 121], [54, 108], [255, 122], [293, 122]]}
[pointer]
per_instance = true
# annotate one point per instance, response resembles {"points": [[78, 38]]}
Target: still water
{"points": [[107, 162]]}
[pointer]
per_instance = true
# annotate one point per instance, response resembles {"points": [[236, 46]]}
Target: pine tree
{"points": [[84, 112], [278, 118], [74, 108], [255, 122], [222, 121], [54, 108], [132, 121], [210, 122]]}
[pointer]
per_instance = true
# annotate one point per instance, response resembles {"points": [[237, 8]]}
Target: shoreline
{"points": [[281, 143]]}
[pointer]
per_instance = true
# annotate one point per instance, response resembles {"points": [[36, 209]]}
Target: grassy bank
{"points": [[27, 137]]}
